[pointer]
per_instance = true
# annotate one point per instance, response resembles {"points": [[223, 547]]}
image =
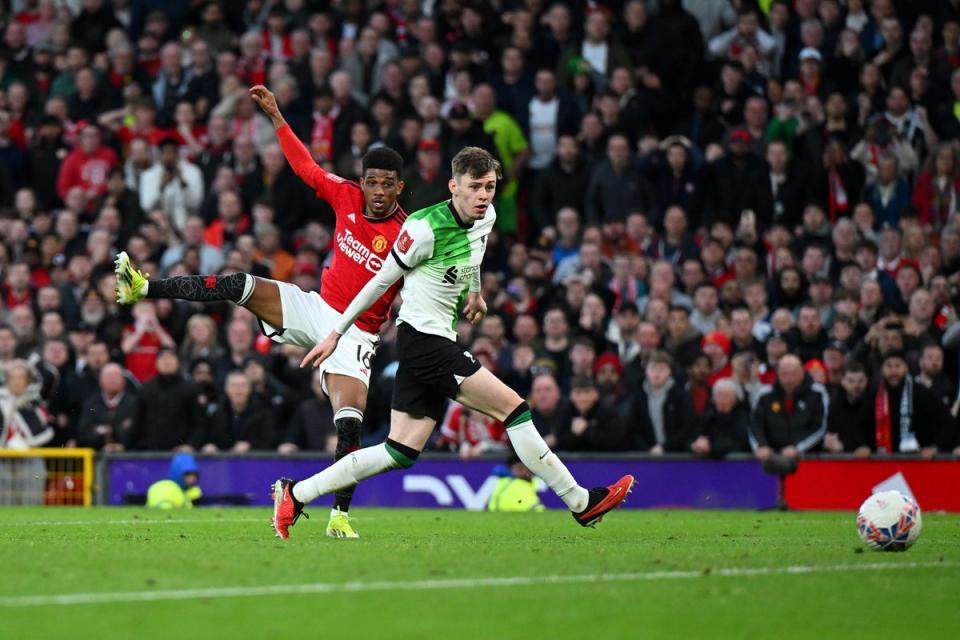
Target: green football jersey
{"points": [[441, 256]]}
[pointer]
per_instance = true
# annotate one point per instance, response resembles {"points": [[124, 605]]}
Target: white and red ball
{"points": [[889, 521]]}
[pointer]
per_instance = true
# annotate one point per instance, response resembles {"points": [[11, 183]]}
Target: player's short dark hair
{"points": [[475, 162], [383, 158]]}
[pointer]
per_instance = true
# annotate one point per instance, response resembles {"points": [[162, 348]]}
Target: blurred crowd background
{"points": [[724, 226]]}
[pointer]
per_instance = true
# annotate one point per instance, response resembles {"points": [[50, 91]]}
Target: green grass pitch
{"points": [[107, 573]]}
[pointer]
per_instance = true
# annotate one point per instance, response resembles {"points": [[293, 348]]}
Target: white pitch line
{"points": [[58, 523], [453, 583]]}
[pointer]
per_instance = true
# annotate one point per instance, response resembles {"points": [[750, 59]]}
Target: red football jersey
{"points": [[360, 243]]}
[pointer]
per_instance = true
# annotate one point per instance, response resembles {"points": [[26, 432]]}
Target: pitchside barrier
{"points": [[46, 477], [671, 481]]}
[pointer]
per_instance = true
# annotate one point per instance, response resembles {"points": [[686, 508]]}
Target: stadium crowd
{"points": [[723, 226]]}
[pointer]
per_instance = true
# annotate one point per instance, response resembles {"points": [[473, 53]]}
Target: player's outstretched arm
{"points": [[389, 273], [293, 149]]}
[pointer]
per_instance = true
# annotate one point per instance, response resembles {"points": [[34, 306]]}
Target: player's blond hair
{"points": [[474, 162]]}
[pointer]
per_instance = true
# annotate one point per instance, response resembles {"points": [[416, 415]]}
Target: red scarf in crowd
{"points": [[839, 202], [883, 428]]}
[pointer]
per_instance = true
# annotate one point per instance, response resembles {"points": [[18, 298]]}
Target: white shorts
{"points": [[308, 319]]}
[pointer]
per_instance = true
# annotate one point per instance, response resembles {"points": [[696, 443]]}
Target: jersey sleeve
{"points": [[414, 244], [390, 272], [327, 185]]}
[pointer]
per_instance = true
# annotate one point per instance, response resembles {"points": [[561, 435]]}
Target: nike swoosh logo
{"points": [[603, 503], [545, 454]]}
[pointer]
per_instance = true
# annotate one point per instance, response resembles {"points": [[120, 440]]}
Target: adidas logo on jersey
{"points": [[352, 217], [450, 277]]}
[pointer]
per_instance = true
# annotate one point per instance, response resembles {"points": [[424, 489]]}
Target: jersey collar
{"points": [[396, 209], [456, 216]]}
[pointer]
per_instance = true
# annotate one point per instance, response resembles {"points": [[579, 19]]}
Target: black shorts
{"points": [[430, 371]]}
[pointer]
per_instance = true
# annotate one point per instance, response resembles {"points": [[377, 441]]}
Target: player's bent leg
{"points": [[265, 302], [348, 396], [486, 393], [133, 286], [410, 430]]}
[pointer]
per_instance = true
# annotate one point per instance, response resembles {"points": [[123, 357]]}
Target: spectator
{"points": [[311, 428], [240, 339], [425, 183], [682, 340], [16, 288], [166, 420], [230, 224], [889, 194], [674, 245], [87, 167], [938, 185], [931, 374], [850, 418], [211, 257], [809, 337], [463, 130], [742, 338], [26, 422], [270, 253], [515, 490], [608, 371], [716, 346], [470, 433], [512, 148], [675, 177], [908, 417], [706, 311], [44, 159], [556, 338], [779, 195], [562, 184], [617, 187], [732, 179], [108, 417], [241, 423], [274, 395], [839, 183], [623, 332], [724, 426], [790, 419], [174, 185], [143, 340], [588, 424], [597, 55], [661, 417], [747, 31]]}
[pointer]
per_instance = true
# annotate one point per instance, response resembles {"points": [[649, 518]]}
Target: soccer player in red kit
{"points": [[368, 221]]}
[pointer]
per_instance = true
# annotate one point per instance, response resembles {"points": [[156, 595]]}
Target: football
{"points": [[889, 521]]}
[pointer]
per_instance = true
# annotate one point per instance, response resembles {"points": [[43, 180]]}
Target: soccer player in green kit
{"points": [[438, 254]]}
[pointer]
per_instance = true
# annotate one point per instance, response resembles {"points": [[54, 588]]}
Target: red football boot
{"points": [[604, 499], [286, 509]]}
